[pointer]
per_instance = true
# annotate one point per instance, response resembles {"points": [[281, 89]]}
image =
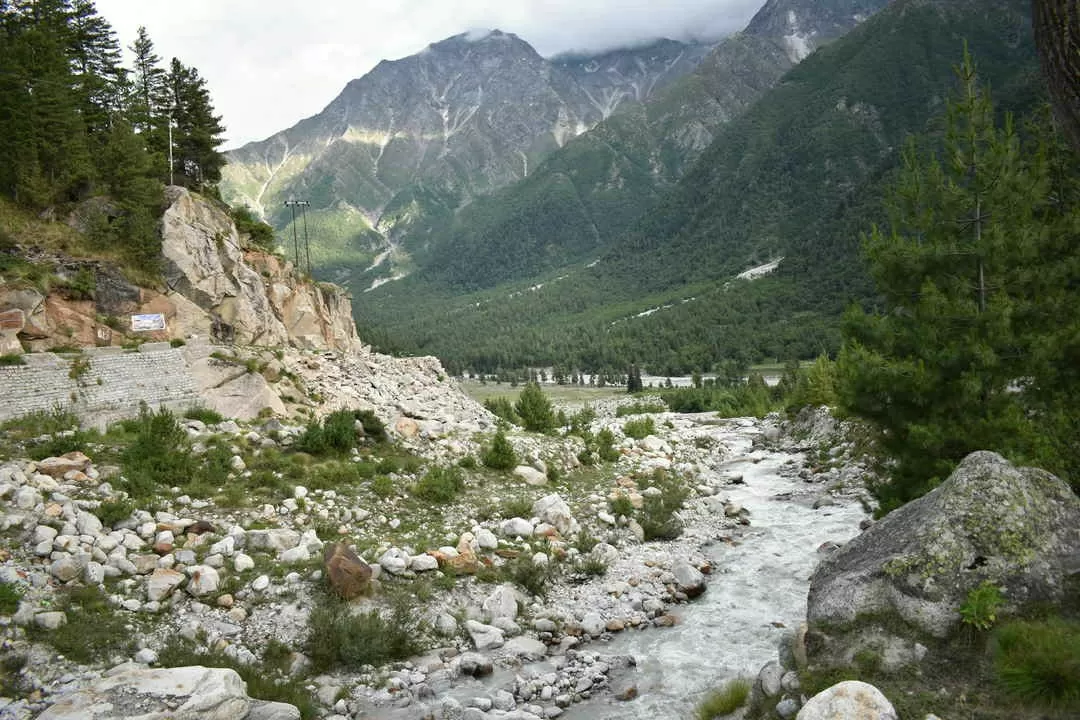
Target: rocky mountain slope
{"points": [[400, 149]]}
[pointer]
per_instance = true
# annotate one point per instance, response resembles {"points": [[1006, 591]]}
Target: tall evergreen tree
{"points": [[197, 133], [149, 104], [99, 76]]}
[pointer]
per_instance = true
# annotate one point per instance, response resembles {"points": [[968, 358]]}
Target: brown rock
{"points": [[407, 427], [615, 625], [57, 467], [198, 528], [665, 621], [349, 575]]}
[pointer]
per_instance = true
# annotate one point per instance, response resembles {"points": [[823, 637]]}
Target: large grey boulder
{"points": [[849, 699], [902, 582], [134, 691]]}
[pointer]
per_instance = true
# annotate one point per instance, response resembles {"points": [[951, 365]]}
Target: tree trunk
{"points": [[1057, 35]]}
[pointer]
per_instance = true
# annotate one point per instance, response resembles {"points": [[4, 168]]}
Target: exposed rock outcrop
{"points": [[904, 579]]}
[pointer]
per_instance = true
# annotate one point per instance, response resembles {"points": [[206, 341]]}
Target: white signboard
{"points": [[146, 323]]}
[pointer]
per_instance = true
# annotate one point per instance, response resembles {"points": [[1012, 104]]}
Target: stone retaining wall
{"points": [[101, 385]]}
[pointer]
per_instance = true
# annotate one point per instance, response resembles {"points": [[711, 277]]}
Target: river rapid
{"points": [[757, 592]]}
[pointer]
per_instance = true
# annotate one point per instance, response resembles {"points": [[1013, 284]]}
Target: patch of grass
{"points": [[1038, 662], [590, 565], [94, 630], [440, 484], [13, 359], [383, 486], [726, 700], [159, 456], [10, 594], [339, 637], [261, 684], [520, 506], [528, 575]]}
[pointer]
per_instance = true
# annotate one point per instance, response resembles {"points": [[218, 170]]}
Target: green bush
{"points": [[1039, 662], [621, 505], [501, 407], [383, 486], [581, 420], [529, 576], [110, 512], [728, 699], [520, 506], [94, 629], [159, 456], [13, 359], [605, 446], [440, 484], [10, 594], [341, 638], [980, 608], [640, 408], [336, 433], [500, 455], [640, 428], [657, 517], [468, 463], [374, 429], [534, 409], [203, 415]]}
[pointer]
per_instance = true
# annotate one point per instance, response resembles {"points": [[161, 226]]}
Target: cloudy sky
{"points": [[271, 63]]}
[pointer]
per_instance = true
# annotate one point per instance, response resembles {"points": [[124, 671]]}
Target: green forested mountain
{"points": [[75, 123], [800, 176]]}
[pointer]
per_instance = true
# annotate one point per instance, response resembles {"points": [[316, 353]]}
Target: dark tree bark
{"points": [[1057, 34]]}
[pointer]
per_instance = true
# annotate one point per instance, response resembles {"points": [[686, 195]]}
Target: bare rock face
{"points": [[349, 575], [131, 691], [905, 578], [246, 298]]}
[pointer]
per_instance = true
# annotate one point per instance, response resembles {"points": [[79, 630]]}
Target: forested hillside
{"points": [[800, 175]]}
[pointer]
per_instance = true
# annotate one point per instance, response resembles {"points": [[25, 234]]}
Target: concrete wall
{"points": [[110, 383]]}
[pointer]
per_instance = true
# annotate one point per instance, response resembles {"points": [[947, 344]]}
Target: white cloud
{"points": [[270, 63]]}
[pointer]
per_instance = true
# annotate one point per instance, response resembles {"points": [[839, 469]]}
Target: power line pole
{"points": [[291, 204], [307, 247]]}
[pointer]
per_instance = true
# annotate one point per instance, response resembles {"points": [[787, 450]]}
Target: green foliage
{"points": [[94, 630], [110, 512], [260, 679], [581, 420], [383, 486], [813, 387], [341, 637], [1038, 662], [535, 409], [374, 428], [658, 512], [11, 360], [640, 408], [336, 433], [639, 428], [980, 608], [974, 271], [204, 415], [502, 407], [728, 699], [158, 457], [10, 595], [500, 455], [532, 577], [260, 233], [621, 505], [605, 446], [440, 484]]}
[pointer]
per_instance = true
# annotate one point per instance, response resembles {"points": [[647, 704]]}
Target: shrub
{"points": [[621, 505], [336, 433], [658, 512], [581, 420], [159, 455], [13, 359], [10, 594], [177, 342], [468, 463], [534, 409], [980, 608], [203, 415], [501, 407], [640, 428], [529, 576], [605, 446], [591, 565], [640, 408], [341, 638], [383, 486], [500, 455], [374, 429], [1039, 662], [724, 701], [440, 484], [110, 512], [520, 506]]}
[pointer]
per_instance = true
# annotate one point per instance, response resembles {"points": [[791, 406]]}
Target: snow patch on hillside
{"points": [[761, 270]]}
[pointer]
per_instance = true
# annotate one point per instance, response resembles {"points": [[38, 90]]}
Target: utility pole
{"points": [[291, 204], [170, 146], [307, 247]]}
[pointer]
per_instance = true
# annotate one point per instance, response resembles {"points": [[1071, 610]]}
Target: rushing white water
{"points": [[758, 589]]}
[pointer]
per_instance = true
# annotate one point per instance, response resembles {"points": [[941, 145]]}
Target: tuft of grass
{"points": [[529, 576], [520, 506], [639, 428], [12, 359], [440, 484], [94, 630], [724, 701], [10, 594], [1038, 662], [204, 415], [111, 512], [341, 638]]}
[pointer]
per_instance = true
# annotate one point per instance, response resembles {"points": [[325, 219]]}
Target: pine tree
{"points": [[936, 369], [197, 135], [100, 79], [534, 409], [149, 105]]}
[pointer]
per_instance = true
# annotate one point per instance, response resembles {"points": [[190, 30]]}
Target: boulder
{"points": [[530, 475], [57, 467], [203, 580], [135, 691], [849, 699], [904, 579], [501, 603], [553, 510], [688, 578], [484, 637], [348, 574]]}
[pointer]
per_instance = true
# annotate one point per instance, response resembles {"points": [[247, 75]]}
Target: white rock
{"points": [[237, 464], [161, 583], [530, 475], [501, 603], [300, 492], [486, 539], [203, 580], [593, 624], [243, 562], [260, 583], [394, 561], [424, 563], [226, 546], [300, 553], [50, 620], [484, 637], [849, 699], [553, 510], [88, 523], [516, 527], [146, 656]]}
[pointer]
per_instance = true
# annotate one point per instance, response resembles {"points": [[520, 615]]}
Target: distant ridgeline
{"points": [[800, 174]]}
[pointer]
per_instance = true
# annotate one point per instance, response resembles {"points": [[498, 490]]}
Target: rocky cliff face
{"points": [[214, 288]]}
